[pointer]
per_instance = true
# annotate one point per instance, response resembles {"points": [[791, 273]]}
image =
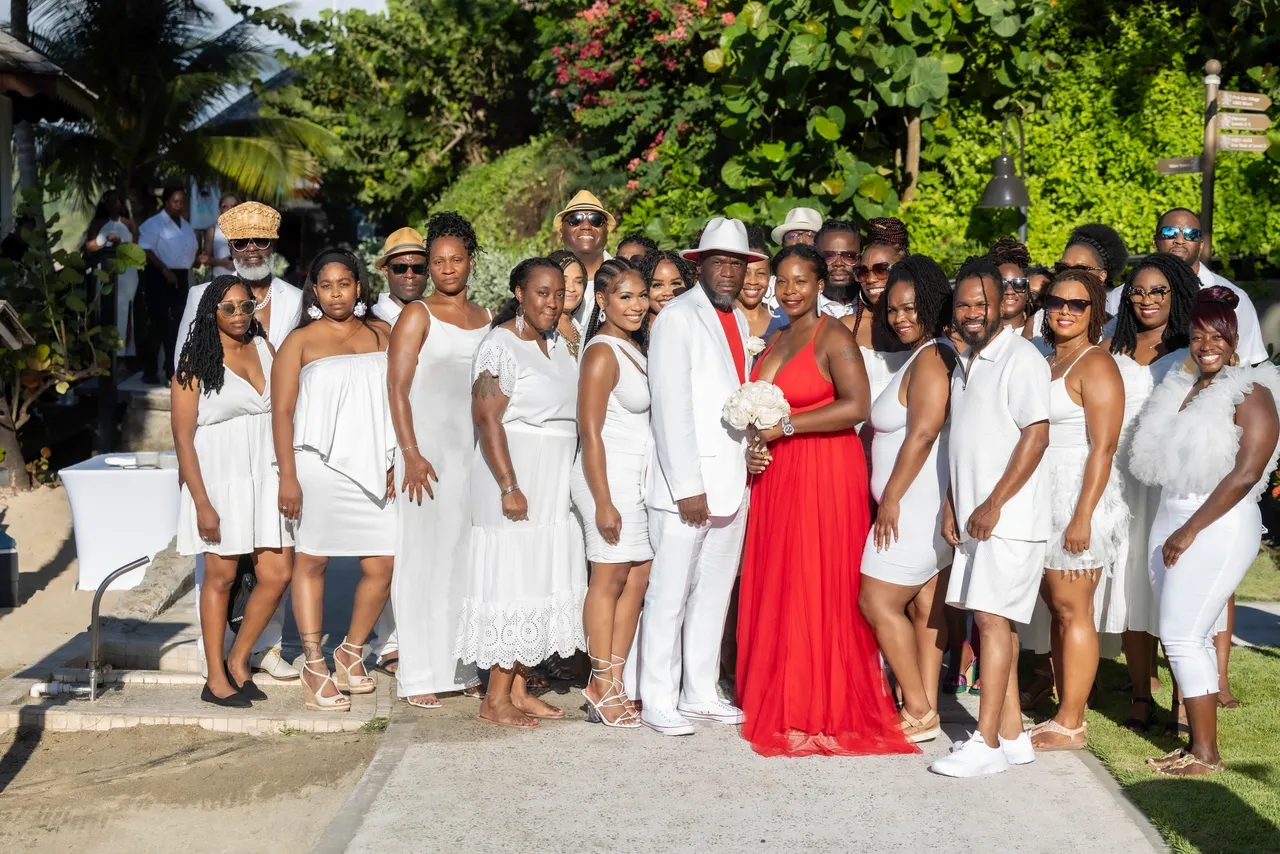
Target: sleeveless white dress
{"points": [[343, 444], [920, 551], [526, 580], [237, 464], [626, 446], [433, 539]]}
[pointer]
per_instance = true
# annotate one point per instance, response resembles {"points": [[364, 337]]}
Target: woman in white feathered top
{"points": [[1208, 437]]}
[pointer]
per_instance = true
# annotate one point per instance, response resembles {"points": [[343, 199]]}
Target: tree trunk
{"points": [[912, 166], [13, 461]]}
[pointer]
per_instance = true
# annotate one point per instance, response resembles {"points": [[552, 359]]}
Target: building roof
{"points": [[41, 90]]}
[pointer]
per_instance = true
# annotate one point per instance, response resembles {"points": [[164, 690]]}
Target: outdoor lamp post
{"points": [[1007, 189]]}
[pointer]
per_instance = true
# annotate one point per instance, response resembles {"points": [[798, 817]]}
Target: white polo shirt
{"points": [[994, 395], [174, 244]]}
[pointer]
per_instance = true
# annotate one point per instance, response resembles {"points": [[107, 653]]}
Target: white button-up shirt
{"points": [[836, 309], [994, 395], [286, 312], [387, 309], [173, 243]]}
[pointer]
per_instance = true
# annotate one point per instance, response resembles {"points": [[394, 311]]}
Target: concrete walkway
{"points": [[1257, 624], [447, 783]]}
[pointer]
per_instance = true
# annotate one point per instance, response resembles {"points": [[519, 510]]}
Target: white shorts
{"points": [[997, 576]]}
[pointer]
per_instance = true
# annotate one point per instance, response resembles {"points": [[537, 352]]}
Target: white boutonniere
{"points": [[755, 346]]}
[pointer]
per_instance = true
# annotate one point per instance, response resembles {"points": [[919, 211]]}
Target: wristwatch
{"points": [[787, 429]]}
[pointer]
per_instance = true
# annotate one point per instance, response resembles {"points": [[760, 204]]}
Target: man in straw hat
{"points": [[696, 497], [403, 262], [584, 227]]}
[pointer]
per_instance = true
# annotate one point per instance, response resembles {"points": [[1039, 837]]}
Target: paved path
{"points": [[460, 786], [1257, 624]]}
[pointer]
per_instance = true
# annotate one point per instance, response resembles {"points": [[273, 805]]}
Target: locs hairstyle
{"points": [[933, 293], [608, 280], [348, 259], [519, 278], [979, 267], [201, 359], [1097, 299], [1007, 250], [1215, 309], [1106, 244], [451, 224], [1184, 285]]}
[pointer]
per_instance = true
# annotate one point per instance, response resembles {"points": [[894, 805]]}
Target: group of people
{"points": [[560, 477]]}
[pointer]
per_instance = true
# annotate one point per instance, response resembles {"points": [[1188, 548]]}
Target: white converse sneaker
{"points": [[666, 721], [719, 711], [270, 661], [1018, 750], [972, 758]]}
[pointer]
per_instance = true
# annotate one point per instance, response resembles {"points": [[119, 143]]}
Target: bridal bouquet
{"points": [[758, 404]]}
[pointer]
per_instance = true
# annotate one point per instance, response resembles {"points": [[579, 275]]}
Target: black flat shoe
{"points": [[1141, 724], [248, 689], [235, 701]]}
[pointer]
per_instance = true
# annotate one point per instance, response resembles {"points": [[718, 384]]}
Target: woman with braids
{"points": [[1088, 518], [335, 446], [1097, 249], [221, 413], [905, 559], [1013, 259], [666, 275], [608, 484], [883, 354], [575, 285], [633, 248], [429, 388], [526, 578]]}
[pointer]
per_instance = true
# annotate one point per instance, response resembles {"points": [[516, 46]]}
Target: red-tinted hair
{"points": [[1215, 309]]}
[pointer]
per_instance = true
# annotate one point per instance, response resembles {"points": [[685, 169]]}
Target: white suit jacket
{"points": [[691, 375], [286, 313]]}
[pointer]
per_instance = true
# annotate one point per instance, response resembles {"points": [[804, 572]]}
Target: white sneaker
{"points": [[271, 662], [972, 758], [666, 721], [1018, 750], [719, 711]]}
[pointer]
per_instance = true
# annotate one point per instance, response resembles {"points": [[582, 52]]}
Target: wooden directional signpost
{"points": [[1250, 118]]}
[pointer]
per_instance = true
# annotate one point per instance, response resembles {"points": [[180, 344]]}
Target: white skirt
{"points": [[625, 474], [339, 519], [1109, 528]]}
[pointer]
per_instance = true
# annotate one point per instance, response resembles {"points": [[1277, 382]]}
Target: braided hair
{"points": [[1106, 244], [519, 278], [452, 224], [640, 240], [1007, 250], [608, 280], [201, 359], [887, 231], [755, 239], [348, 259], [1184, 285], [1097, 299], [564, 259], [933, 293], [650, 264]]}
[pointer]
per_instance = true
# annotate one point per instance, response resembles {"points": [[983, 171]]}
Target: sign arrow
{"points": [[1242, 142], [1243, 101], [1178, 165], [1243, 121]]}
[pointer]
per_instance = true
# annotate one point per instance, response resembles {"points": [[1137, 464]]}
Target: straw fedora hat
{"points": [[798, 219], [585, 200], [402, 241], [251, 219], [724, 235]]}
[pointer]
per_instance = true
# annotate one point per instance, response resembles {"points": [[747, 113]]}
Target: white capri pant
{"points": [[1195, 590]]}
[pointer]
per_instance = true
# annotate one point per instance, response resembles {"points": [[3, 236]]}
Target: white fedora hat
{"points": [[724, 235], [798, 219]]}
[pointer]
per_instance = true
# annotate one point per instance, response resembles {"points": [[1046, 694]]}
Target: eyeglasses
{"points": [[841, 254], [1017, 284], [793, 236], [400, 268], [1171, 232], [244, 244], [231, 309], [577, 218], [1074, 307], [880, 271], [1062, 267], [1156, 294]]}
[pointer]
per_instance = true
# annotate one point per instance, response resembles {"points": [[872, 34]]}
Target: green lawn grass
{"points": [[1262, 583]]}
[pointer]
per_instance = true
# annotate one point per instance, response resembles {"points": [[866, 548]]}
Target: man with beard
{"points": [[584, 227], [698, 489], [998, 513], [251, 230], [403, 262], [841, 246]]}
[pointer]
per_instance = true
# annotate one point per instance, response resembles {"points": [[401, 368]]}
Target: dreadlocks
{"points": [[933, 293], [1007, 250], [201, 359], [1184, 285]]}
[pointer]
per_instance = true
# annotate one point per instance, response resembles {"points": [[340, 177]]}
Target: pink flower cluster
{"points": [[595, 12], [727, 19]]}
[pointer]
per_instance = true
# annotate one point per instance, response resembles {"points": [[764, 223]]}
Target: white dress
{"points": [[626, 446], [433, 539], [237, 464], [920, 550], [527, 579], [221, 255], [126, 287], [343, 443]]}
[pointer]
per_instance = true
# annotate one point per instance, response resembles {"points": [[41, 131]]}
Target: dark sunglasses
{"points": [[244, 244], [231, 309], [862, 271], [577, 218], [1074, 307], [400, 268], [1171, 232], [843, 254], [1018, 284], [1157, 294], [1061, 267]]}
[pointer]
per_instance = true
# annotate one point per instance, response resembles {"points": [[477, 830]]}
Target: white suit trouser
{"points": [[685, 606]]}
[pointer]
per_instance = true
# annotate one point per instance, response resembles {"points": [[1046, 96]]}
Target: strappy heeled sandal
{"points": [[1058, 729], [926, 729], [316, 701], [613, 699], [1188, 760], [353, 683]]}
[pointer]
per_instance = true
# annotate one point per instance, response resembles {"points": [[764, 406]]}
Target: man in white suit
{"points": [[697, 487]]}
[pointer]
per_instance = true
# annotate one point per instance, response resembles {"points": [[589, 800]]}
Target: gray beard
{"points": [[720, 301], [259, 273]]}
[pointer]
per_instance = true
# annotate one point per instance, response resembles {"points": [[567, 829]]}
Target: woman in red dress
{"points": [[809, 677]]}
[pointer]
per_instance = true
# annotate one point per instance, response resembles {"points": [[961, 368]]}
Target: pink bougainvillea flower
{"points": [[595, 12], [651, 155], [633, 184], [727, 19]]}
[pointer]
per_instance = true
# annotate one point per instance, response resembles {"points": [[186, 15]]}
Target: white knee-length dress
{"points": [[433, 538], [343, 444], [626, 448], [920, 550], [237, 465], [527, 579]]}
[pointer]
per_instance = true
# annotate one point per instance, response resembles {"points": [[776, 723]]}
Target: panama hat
{"points": [[724, 235], [798, 219], [402, 241], [248, 220], [585, 200]]}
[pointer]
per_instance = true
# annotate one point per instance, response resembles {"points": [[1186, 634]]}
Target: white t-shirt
{"points": [[174, 244], [994, 395]]}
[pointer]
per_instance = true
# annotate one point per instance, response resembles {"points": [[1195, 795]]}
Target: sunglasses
{"points": [[244, 244], [1018, 284], [1171, 232], [798, 235], [577, 218], [231, 309], [1061, 267], [1156, 294], [841, 254], [1073, 307], [862, 271], [400, 268]]}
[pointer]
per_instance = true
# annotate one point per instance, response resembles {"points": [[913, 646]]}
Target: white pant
{"points": [[685, 606], [384, 631], [1195, 590]]}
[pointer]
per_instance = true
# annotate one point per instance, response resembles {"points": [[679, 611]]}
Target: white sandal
{"points": [[353, 683], [614, 698], [1056, 728], [316, 701]]}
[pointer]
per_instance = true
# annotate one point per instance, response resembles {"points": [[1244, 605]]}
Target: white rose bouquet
{"points": [[754, 346], [758, 404]]}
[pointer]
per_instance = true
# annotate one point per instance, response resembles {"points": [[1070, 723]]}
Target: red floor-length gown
{"points": [[809, 678]]}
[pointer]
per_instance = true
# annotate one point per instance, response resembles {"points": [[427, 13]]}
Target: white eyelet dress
{"points": [[527, 579], [237, 464], [343, 443], [433, 540], [920, 551], [626, 448]]}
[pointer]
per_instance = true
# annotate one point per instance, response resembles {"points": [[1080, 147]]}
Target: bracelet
{"points": [[510, 489], [407, 448]]}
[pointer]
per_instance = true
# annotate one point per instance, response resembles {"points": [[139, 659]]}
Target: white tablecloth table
{"points": [[119, 515]]}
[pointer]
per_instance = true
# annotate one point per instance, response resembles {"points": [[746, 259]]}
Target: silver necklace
{"points": [[259, 306]]}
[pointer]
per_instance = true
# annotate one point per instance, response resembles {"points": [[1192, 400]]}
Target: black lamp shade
{"points": [[1005, 189]]}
